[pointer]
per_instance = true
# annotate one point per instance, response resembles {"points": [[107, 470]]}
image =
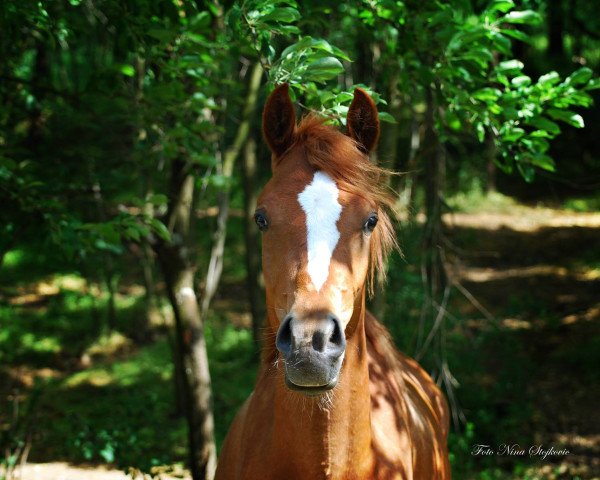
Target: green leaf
{"points": [[528, 17], [516, 34], [284, 15], [108, 453], [526, 170], [502, 6], [301, 44], [452, 120], [540, 134], [162, 34], [386, 117], [542, 123], [521, 81], [579, 76], [219, 181], [160, 229], [581, 98], [127, 70], [201, 22], [507, 66], [551, 78], [108, 247], [323, 69], [593, 84], [501, 43], [480, 129], [487, 94], [132, 233], [158, 199], [513, 134], [567, 116], [320, 44], [542, 161]]}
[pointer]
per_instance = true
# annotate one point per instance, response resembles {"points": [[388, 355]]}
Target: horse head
{"points": [[325, 230]]}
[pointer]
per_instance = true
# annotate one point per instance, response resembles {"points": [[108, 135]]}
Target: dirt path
{"points": [[65, 471]]}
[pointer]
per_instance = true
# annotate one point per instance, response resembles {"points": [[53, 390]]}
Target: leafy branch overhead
{"points": [[487, 91], [306, 64]]}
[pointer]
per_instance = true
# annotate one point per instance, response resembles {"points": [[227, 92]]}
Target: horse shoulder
{"points": [[429, 421], [247, 451], [409, 414], [229, 461]]}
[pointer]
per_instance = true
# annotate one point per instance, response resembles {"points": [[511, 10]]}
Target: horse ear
{"points": [[363, 121], [279, 120]]}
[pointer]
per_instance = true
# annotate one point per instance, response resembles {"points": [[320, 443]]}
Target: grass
{"points": [[478, 201], [583, 204], [114, 427], [48, 328]]}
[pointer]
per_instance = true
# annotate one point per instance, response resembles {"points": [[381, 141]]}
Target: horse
{"points": [[333, 397]]}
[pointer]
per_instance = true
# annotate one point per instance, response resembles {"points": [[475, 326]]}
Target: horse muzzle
{"points": [[313, 352]]}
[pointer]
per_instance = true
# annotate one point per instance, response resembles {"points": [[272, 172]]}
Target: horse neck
{"points": [[336, 429]]}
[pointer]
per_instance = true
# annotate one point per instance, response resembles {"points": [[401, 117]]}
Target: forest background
{"points": [[130, 161]]}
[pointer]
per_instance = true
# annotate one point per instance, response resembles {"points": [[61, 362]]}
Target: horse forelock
{"points": [[329, 150]]}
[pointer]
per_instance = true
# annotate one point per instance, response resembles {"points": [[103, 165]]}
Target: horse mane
{"points": [[338, 155]]}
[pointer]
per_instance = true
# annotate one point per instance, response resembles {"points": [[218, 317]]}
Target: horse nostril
{"points": [[283, 341], [337, 340], [318, 341]]}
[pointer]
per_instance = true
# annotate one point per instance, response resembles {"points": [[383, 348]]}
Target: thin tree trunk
{"points": [[432, 269], [179, 268], [387, 153], [407, 185], [256, 295], [434, 181], [491, 169], [215, 267]]}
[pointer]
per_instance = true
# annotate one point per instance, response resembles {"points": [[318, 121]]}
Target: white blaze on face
{"points": [[319, 200]]}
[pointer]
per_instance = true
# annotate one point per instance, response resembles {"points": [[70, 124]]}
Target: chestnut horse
{"points": [[333, 398]]}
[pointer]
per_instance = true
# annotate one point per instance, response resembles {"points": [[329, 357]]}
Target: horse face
{"points": [[316, 239]]}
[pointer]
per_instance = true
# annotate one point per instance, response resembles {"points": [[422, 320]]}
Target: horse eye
{"points": [[371, 223], [261, 221]]}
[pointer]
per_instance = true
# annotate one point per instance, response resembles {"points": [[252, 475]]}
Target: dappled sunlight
{"points": [[486, 274], [516, 324], [125, 373], [524, 219], [68, 471], [592, 313]]}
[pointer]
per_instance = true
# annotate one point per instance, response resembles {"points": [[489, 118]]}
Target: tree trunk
{"points": [[432, 267], [434, 158], [256, 295], [178, 266], [387, 153], [215, 266], [491, 169], [407, 188], [194, 358]]}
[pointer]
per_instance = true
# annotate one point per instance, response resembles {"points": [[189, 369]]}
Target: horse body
{"points": [[333, 399]]}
